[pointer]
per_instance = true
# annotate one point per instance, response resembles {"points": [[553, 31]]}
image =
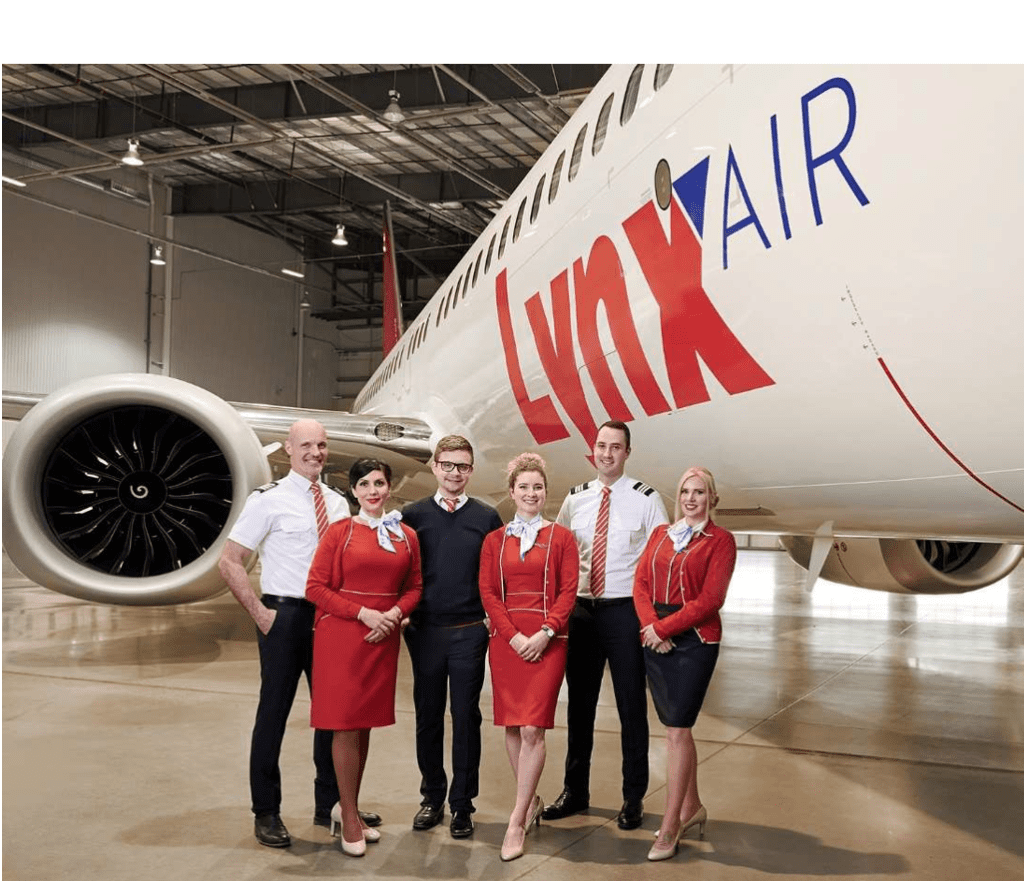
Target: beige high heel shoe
{"points": [[371, 836], [699, 818], [511, 852], [658, 852], [534, 818]]}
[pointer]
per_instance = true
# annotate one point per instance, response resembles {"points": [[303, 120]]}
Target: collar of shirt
{"points": [[304, 483], [459, 502]]}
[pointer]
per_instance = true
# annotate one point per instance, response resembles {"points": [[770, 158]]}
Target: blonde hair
{"points": [[526, 462], [709, 483]]}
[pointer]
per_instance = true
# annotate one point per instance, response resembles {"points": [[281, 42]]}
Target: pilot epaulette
{"points": [[643, 488], [266, 486], [580, 488]]}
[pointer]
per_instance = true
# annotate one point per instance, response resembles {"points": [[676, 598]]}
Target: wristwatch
{"points": [[548, 631]]}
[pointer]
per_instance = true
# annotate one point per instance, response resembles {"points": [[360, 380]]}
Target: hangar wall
{"points": [[77, 292]]}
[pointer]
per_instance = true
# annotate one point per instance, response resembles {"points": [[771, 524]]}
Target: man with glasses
{"points": [[447, 636]]}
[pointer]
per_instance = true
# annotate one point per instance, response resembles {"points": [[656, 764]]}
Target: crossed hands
{"points": [[650, 639], [530, 648], [380, 623]]}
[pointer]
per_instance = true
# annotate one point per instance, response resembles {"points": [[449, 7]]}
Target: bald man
{"points": [[279, 521]]}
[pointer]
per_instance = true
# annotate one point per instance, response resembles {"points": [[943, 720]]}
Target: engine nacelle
{"points": [[123, 489], [909, 566]]}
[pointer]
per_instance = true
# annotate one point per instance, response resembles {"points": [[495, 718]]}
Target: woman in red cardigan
{"points": [[365, 578], [528, 575], [679, 587]]}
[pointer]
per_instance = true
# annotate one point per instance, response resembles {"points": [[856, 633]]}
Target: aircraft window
{"points": [[504, 236], [476, 269], [519, 221], [537, 196], [632, 90], [556, 175], [602, 124], [577, 154], [661, 74], [490, 253]]}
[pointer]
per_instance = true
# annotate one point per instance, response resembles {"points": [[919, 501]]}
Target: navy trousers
{"points": [[448, 659], [286, 653], [600, 631]]}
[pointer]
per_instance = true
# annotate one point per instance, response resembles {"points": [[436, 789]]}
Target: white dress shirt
{"points": [[279, 521], [634, 510], [459, 502]]}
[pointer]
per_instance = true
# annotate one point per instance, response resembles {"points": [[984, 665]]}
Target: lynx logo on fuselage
{"points": [[671, 265]]}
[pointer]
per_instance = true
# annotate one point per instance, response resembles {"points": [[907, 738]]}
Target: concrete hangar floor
{"points": [[847, 734]]}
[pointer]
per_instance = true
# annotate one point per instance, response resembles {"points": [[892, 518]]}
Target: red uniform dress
{"points": [[519, 596], [354, 680]]}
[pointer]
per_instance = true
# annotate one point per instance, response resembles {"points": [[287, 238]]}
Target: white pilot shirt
{"points": [[634, 510], [279, 521]]}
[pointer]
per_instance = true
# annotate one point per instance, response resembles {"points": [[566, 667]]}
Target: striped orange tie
{"points": [[320, 506], [600, 550]]}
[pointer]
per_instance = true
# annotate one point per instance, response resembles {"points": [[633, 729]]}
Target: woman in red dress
{"points": [[365, 578], [528, 575], [678, 589]]}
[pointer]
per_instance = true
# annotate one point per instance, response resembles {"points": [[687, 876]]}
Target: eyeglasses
{"points": [[448, 467]]}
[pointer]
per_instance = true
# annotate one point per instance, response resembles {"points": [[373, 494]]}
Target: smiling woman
{"points": [[528, 577], [364, 580]]}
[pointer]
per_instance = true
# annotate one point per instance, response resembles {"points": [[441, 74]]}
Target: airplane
{"points": [[801, 277]]}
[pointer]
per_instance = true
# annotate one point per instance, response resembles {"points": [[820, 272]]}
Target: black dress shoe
{"points": [[271, 831], [322, 817], [565, 805], [631, 815], [462, 824], [427, 817]]}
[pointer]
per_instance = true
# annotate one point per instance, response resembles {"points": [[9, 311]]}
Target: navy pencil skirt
{"points": [[679, 679]]}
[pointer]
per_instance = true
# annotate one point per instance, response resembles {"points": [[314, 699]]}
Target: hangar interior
{"points": [[847, 733]]}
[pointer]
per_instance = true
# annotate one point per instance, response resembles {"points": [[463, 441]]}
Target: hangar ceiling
{"points": [[294, 150]]}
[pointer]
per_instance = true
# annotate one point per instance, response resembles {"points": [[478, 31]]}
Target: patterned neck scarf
{"points": [[384, 525], [526, 531]]}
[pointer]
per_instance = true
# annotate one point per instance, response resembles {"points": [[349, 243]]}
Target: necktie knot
{"points": [[450, 504]]}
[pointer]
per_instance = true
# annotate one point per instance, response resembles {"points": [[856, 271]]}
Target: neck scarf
{"points": [[681, 533], [526, 531], [384, 525]]}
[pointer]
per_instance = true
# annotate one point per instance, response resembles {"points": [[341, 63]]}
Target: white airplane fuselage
{"points": [[826, 314]]}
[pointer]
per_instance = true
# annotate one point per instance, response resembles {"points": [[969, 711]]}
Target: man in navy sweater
{"points": [[447, 636]]}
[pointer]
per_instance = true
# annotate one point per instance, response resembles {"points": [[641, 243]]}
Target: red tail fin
{"points": [[392, 304]]}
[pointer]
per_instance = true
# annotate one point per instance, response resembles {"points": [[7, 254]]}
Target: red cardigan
{"points": [[563, 573], [327, 573], [703, 570]]}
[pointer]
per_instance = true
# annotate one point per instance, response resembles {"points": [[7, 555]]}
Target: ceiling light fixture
{"points": [[13, 181], [132, 157], [339, 236], [300, 272], [158, 256], [393, 113]]}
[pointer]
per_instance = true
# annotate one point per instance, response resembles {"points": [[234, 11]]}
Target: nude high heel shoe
{"points": [[699, 818], [657, 852], [511, 852], [534, 817], [371, 836]]}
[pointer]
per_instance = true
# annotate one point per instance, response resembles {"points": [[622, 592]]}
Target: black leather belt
{"points": [[272, 601], [591, 603]]}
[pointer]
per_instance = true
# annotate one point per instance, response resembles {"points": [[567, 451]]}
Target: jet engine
{"points": [[122, 489], [909, 566]]}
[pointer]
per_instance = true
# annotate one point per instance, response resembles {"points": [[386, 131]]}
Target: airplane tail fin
{"points": [[392, 304]]}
